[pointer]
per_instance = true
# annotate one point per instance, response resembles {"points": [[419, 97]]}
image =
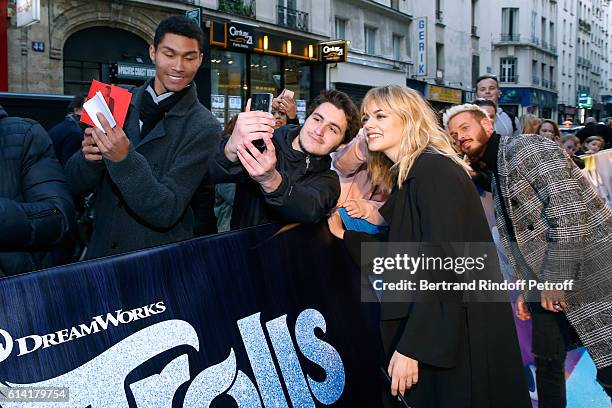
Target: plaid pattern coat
{"points": [[563, 231]]}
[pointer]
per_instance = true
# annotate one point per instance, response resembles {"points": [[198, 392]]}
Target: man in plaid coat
{"points": [[555, 230]]}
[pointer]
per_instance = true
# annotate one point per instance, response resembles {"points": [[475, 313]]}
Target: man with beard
{"points": [[555, 229], [291, 179]]}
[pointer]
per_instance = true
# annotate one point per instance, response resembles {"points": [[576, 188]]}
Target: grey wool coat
{"points": [[563, 232], [143, 200]]}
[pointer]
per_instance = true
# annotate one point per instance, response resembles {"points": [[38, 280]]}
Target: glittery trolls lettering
{"points": [[100, 383]]}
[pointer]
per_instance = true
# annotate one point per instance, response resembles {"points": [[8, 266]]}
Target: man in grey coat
{"points": [[144, 176], [557, 232]]}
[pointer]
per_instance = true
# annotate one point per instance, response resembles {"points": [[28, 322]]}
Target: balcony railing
{"points": [[535, 80], [535, 40], [291, 18], [553, 85], [474, 31], [439, 16], [508, 79], [244, 8], [546, 83], [544, 44], [510, 37]]}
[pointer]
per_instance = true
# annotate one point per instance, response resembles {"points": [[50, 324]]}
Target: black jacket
{"points": [[308, 192], [469, 350], [35, 205]]}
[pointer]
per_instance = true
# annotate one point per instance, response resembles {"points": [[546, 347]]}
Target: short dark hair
{"points": [[76, 102], [484, 102], [341, 101], [179, 25], [487, 76]]}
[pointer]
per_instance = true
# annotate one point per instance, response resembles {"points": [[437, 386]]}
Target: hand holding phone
{"points": [[261, 102], [249, 126]]}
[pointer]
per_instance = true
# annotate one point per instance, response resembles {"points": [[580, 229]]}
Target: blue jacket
{"points": [[67, 137], [35, 204]]}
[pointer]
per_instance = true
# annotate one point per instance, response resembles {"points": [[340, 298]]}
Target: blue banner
{"points": [[247, 319]]}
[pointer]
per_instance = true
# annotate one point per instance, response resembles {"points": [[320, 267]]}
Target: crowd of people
{"points": [[407, 173]]}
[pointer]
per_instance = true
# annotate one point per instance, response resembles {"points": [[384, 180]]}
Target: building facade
{"points": [[75, 42], [550, 55], [525, 56]]}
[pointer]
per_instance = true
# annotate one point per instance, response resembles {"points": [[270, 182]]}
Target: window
{"points": [[534, 73], [340, 28], [397, 47], [370, 40], [543, 31], [440, 56], [564, 28], [552, 34], [507, 68], [78, 76], [534, 17], [510, 24], [563, 64]]}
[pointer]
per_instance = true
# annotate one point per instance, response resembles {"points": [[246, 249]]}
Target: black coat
{"points": [[308, 192], [35, 205], [144, 200], [468, 352]]}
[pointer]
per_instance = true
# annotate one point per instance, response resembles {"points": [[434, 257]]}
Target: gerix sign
{"points": [[422, 46], [27, 12], [333, 51], [240, 35]]}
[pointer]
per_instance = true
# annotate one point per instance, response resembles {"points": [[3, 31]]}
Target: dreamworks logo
{"points": [[33, 342], [6, 345]]}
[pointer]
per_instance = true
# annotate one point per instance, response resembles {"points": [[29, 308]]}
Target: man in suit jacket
{"points": [[555, 229], [145, 177]]}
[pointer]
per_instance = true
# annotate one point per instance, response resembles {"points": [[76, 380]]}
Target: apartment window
{"points": [[563, 64], [534, 17], [341, 28], [552, 77], [397, 47], [534, 72], [552, 34], [510, 18], [564, 28], [370, 40], [570, 33], [543, 30], [440, 56], [507, 69]]}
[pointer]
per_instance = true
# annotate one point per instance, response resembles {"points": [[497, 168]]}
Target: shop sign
{"points": [[422, 46], [133, 71], [333, 51], [585, 101], [447, 95], [240, 35], [194, 15], [27, 12]]}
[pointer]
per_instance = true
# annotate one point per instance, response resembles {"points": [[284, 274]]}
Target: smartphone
{"points": [[288, 93], [261, 102]]}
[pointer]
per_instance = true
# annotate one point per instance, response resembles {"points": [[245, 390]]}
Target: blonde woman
{"points": [[442, 352]]}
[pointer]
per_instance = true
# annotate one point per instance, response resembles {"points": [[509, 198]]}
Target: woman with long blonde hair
{"points": [[439, 350]]}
